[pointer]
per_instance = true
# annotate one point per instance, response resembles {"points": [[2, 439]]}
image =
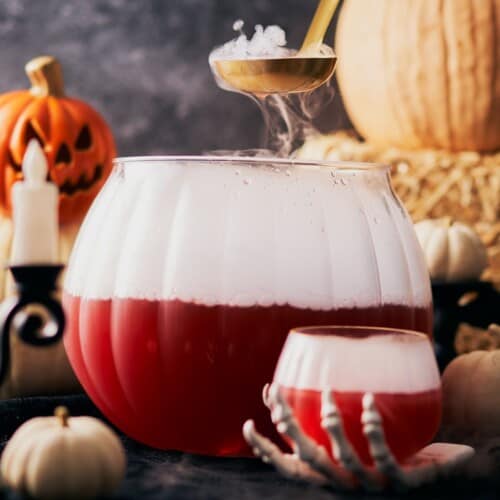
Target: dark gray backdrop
{"points": [[143, 64]]}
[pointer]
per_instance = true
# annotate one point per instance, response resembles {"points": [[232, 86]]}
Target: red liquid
{"points": [[186, 376], [410, 420]]}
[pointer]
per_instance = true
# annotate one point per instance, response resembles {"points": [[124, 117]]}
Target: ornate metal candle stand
{"points": [[35, 313]]}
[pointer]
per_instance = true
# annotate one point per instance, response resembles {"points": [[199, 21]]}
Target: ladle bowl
{"points": [[282, 75]]}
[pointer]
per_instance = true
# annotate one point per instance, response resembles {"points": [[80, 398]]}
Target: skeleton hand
{"points": [[311, 462]]}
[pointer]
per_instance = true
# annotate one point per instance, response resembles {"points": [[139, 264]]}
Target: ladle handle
{"points": [[319, 25]]}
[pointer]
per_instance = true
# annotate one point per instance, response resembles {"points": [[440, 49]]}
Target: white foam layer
{"points": [[240, 234], [383, 363]]}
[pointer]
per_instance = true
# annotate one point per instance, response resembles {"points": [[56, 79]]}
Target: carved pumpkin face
{"points": [[76, 140]]}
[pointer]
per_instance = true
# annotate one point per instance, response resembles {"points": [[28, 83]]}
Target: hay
{"points": [[432, 183], [470, 338]]}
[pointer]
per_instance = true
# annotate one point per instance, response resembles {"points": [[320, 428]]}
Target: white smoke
{"points": [[288, 119]]}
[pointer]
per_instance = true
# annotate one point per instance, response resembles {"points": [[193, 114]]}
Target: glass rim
{"points": [[256, 160], [309, 330]]}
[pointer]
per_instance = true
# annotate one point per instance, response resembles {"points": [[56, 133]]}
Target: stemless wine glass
{"points": [[397, 366]]}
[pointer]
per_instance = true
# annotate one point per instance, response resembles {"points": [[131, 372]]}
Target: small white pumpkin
{"points": [[453, 251], [61, 457], [471, 394]]}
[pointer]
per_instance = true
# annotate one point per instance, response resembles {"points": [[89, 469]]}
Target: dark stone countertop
{"points": [[154, 474]]}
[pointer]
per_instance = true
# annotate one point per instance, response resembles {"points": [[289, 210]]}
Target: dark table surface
{"points": [[153, 474]]}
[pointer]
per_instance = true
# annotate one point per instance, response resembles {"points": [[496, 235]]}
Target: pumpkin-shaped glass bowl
{"points": [[188, 273], [397, 366]]}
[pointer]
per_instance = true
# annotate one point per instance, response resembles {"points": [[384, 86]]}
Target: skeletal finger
{"points": [[288, 465], [382, 456], [305, 448], [343, 452], [281, 413], [265, 395], [261, 446]]}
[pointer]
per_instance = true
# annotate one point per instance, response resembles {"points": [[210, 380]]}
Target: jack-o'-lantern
{"points": [[75, 138]]}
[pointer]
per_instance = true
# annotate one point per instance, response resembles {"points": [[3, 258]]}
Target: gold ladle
{"points": [[305, 71]]}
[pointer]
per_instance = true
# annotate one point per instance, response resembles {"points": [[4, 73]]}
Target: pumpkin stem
{"points": [[46, 76], [447, 222], [62, 413]]}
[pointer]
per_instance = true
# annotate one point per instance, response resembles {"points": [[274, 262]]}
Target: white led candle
{"points": [[35, 212]]}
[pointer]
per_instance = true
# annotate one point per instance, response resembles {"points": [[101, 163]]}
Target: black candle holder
{"points": [[35, 313]]}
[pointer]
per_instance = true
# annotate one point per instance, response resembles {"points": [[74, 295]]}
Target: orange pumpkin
{"points": [[418, 73], [78, 143]]}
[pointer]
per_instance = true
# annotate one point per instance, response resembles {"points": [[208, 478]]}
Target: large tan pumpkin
{"points": [[35, 370], [422, 73]]}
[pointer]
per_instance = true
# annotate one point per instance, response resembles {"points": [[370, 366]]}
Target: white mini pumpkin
{"points": [[453, 250], [471, 394], [61, 457]]}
